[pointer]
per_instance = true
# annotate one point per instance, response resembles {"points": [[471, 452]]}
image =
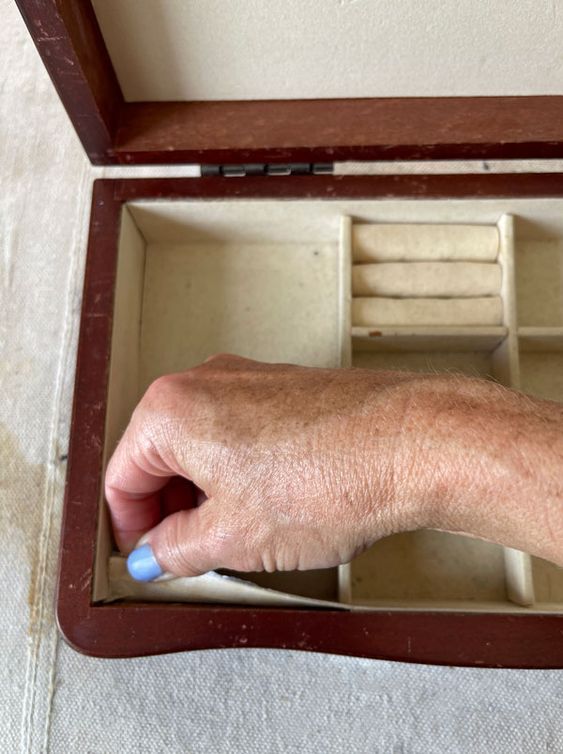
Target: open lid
{"points": [[249, 81]]}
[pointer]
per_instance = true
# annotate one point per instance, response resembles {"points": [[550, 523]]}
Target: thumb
{"points": [[187, 543]]}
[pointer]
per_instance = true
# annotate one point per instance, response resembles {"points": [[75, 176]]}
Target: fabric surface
{"points": [[55, 700], [434, 312], [401, 279]]}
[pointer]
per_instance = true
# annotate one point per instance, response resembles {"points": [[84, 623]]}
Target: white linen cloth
{"points": [[55, 700]]}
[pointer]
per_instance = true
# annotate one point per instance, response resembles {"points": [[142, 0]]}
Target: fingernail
{"points": [[142, 564]]}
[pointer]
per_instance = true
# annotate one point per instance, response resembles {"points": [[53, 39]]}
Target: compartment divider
{"points": [[518, 576], [422, 338], [345, 334], [345, 583], [540, 338], [345, 291], [506, 365]]}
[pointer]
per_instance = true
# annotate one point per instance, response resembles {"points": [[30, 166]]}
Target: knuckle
{"points": [[216, 357], [160, 411], [226, 361], [220, 359], [160, 389]]}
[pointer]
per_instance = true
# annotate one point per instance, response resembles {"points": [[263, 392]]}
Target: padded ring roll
{"points": [[424, 243], [412, 279], [400, 312]]}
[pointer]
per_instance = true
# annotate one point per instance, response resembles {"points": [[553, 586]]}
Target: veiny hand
{"points": [[299, 468]]}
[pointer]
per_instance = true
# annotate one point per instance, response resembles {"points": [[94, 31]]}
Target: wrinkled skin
{"points": [[298, 468]]}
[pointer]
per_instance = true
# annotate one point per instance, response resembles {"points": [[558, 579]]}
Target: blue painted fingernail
{"points": [[142, 565]]}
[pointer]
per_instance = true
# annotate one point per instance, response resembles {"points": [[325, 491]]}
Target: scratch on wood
{"points": [[85, 581]]}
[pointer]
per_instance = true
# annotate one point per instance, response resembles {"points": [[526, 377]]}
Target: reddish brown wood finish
{"points": [[339, 130], [126, 630], [69, 40]]}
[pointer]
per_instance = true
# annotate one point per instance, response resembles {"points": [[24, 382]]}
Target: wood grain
{"points": [[339, 130], [69, 41]]}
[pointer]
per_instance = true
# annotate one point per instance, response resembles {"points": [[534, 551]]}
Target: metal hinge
{"points": [[290, 168]]}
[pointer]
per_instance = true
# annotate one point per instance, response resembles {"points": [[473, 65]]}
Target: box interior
{"points": [[175, 50], [276, 281]]}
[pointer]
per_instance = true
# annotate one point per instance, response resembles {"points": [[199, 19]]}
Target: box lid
{"points": [[181, 81]]}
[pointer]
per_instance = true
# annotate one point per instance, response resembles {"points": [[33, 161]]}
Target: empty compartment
{"points": [[275, 302], [548, 584], [319, 584], [539, 282], [429, 568], [541, 375], [541, 371], [471, 355]]}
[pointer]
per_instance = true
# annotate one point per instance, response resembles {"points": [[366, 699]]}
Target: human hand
{"points": [[301, 468]]}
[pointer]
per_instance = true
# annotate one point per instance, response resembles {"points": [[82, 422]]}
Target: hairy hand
{"points": [[299, 468]]}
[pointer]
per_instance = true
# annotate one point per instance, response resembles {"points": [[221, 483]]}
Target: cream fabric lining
{"points": [[426, 279], [377, 311], [272, 280], [216, 588], [251, 49]]}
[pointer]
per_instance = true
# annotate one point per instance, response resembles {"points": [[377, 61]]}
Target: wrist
{"points": [[409, 479], [491, 464]]}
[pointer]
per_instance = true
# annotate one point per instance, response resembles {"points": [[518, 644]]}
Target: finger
{"points": [[146, 459], [134, 478], [187, 543], [177, 494]]}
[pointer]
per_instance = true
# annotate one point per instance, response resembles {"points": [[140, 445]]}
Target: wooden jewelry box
{"points": [[270, 256]]}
